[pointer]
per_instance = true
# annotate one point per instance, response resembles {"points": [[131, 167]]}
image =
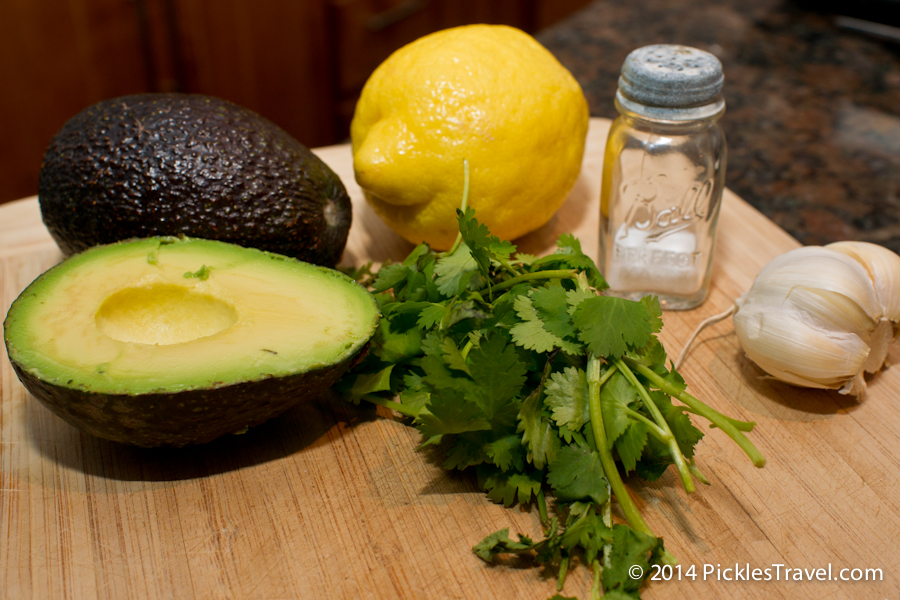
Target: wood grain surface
{"points": [[335, 501]]}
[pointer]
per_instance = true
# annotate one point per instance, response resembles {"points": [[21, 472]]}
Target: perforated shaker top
{"points": [[668, 80]]}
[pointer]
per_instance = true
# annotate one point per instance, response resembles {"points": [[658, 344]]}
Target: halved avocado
{"points": [[172, 341]]}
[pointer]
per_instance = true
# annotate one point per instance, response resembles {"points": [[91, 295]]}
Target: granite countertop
{"points": [[812, 108]]}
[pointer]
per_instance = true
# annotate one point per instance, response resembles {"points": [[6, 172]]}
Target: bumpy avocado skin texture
{"points": [[183, 418], [188, 164]]}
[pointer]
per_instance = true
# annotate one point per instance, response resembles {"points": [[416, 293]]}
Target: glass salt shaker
{"points": [[663, 176]]}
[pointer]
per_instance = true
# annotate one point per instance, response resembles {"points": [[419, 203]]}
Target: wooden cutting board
{"points": [[334, 501]]}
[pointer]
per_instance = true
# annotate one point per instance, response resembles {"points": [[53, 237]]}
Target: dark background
{"points": [[812, 88], [299, 63], [812, 113]]}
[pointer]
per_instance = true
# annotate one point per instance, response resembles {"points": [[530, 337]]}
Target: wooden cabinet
{"points": [[55, 59], [300, 63]]}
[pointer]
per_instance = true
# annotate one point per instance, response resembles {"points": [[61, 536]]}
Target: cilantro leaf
{"points": [[577, 474], [652, 355], [498, 376], [569, 255], [532, 331], [507, 452], [436, 373], [629, 548], [537, 431], [654, 460], [567, 397], [466, 450], [529, 332], [455, 272], [686, 434], [499, 542], [395, 345], [574, 298], [610, 326], [551, 307], [453, 357], [449, 412], [654, 312], [501, 250], [615, 398], [631, 444], [592, 534], [507, 488], [390, 275], [414, 394], [466, 310], [368, 383], [484, 247], [676, 380], [568, 244], [476, 237], [525, 259], [431, 315]]}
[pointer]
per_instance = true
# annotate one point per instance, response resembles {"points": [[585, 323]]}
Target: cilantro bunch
{"points": [[515, 366]]}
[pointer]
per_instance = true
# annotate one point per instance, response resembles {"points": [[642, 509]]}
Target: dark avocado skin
{"points": [[182, 418], [173, 164]]}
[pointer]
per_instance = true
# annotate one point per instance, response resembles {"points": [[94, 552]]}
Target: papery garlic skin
{"points": [[790, 350], [883, 267], [821, 316]]}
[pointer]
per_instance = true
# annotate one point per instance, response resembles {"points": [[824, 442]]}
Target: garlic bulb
{"points": [[821, 316]]}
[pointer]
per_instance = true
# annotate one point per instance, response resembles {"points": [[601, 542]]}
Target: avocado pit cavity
{"points": [[163, 314]]}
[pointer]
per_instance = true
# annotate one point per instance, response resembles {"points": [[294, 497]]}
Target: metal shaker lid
{"points": [[670, 81]]}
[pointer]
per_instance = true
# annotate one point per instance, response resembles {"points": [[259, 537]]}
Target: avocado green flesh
{"points": [[168, 315]]}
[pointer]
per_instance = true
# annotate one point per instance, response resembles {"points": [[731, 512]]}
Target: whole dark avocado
{"points": [[188, 164]]}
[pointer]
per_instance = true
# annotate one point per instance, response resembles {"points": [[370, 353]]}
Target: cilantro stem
{"points": [[739, 425], [699, 408], [626, 503], [607, 520], [542, 506], [465, 204], [549, 274], [697, 473], [668, 437], [563, 571], [606, 375], [400, 408], [596, 590], [655, 429], [572, 533], [467, 348], [445, 320]]}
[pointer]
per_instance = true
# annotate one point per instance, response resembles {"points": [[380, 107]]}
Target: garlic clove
{"points": [[880, 343], [791, 348], [829, 311], [820, 317], [815, 268], [883, 267], [810, 319]]}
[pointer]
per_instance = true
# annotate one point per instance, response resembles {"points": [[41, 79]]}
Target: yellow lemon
{"points": [[487, 94]]}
